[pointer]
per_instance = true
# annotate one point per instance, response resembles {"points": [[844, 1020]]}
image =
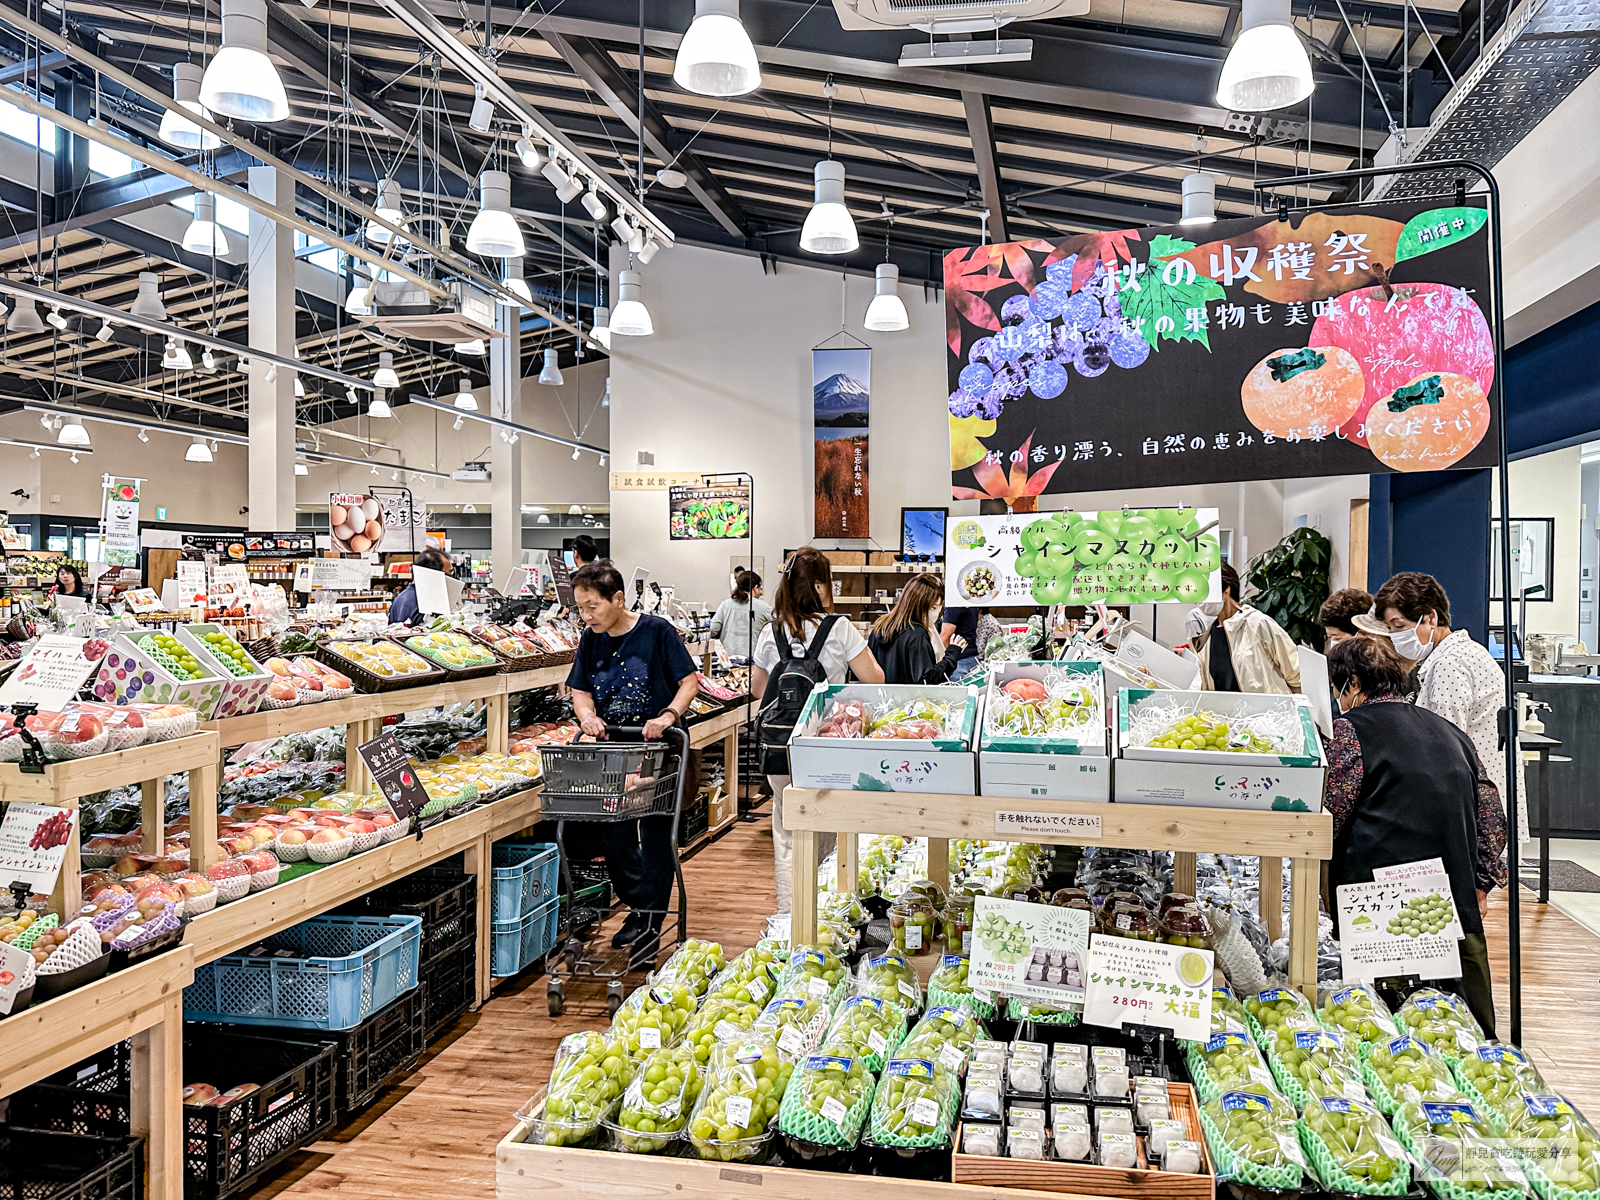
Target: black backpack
{"points": [[788, 688]]}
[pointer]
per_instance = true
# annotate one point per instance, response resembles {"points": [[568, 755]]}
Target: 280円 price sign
{"points": [[1133, 982]]}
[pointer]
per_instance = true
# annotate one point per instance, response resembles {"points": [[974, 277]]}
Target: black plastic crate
{"points": [[449, 986], [36, 1163], [385, 1045], [227, 1147], [446, 902], [695, 821]]}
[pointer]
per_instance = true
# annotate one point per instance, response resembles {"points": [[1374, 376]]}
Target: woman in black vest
{"points": [[1404, 784]]}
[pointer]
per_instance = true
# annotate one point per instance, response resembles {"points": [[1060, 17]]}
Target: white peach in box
{"points": [[326, 836]]}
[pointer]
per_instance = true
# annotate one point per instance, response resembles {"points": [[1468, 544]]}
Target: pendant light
{"points": [[72, 433], [387, 207], [481, 119], [631, 318], [1199, 199], [198, 451], [300, 468], [592, 203], [24, 318], [494, 232], [379, 408], [829, 228], [385, 376], [602, 326], [528, 149], [716, 57], [147, 303], [1267, 67], [360, 298], [464, 397], [299, 388], [176, 356], [511, 279], [550, 373], [241, 80], [475, 347], [178, 130], [204, 235], [887, 312]]}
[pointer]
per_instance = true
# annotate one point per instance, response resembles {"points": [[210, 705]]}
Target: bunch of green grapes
{"points": [[1410, 1071], [693, 964], [890, 978], [743, 1089], [1324, 1062], [794, 1023], [749, 978], [866, 1028], [1232, 1060], [1258, 1126], [1454, 1142], [1226, 1011], [844, 907], [1205, 731], [1357, 1138], [951, 975], [1422, 916], [590, 1072], [831, 1087], [657, 1103], [814, 962], [944, 1034], [719, 1019], [1502, 1075], [652, 1017], [1558, 1141], [229, 653], [1442, 1021], [914, 1101], [1281, 1008], [1357, 1010]]}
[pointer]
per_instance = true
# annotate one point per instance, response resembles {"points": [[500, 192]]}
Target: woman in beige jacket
{"points": [[1245, 650]]}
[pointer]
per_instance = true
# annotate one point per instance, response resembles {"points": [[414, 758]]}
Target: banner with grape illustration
{"points": [[1120, 556], [1338, 341]]}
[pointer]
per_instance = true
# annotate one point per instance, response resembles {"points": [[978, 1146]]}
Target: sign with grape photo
{"points": [[1403, 925], [1346, 340], [1119, 556], [1031, 950], [33, 844]]}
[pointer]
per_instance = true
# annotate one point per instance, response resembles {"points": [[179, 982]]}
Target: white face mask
{"points": [[1410, 645], [1211, 608]]}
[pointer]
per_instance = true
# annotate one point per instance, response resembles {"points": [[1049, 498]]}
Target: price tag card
{"points": [[1030, 950], [33, 844], [14, 966], [1406, 924], [191, 583], [1148, 983], [392, 773], [51, 673], [142, 600]]}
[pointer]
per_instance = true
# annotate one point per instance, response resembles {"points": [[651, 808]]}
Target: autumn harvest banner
{"points": [[1337, 342], [841, 395]]}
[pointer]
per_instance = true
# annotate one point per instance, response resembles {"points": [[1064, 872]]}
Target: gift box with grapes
{"points": [[157, 668], [217, 648], [1044, 732]]}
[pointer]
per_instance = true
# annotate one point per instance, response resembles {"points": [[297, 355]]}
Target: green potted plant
{"points": [[1290, 582]]}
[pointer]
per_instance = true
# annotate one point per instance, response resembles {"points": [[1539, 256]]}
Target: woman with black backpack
{"points": [[817, 647]]}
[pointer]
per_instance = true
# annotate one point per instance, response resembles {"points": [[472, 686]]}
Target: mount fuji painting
{"points": [[840, 401]]}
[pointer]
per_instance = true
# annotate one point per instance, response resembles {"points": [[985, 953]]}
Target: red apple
{"points": [[260, 862], [363, 827]]}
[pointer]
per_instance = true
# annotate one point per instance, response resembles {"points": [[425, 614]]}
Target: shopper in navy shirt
{"points": [[631, 669]]}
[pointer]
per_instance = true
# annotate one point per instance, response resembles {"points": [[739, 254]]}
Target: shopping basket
{"points": [[608, 781]]}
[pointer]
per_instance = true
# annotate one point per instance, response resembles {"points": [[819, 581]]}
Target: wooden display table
{"points": [[1304, 838]]}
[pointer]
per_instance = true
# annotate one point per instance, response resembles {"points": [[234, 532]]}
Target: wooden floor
{"points": [[435, 1135]]}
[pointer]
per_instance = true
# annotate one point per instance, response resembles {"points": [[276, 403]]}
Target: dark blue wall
{"points": [[1437, 522], [1553, 386]]}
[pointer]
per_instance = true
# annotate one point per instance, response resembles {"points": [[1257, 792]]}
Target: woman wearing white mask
{"points": [[1458, 678]]}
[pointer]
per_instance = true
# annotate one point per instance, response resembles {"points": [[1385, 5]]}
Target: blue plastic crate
{"points": [[520, 943], [525, 875], [344, 969]]}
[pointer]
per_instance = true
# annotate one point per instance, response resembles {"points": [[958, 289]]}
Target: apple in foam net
{"points": [[383, 820], [293, 837], [362, 827], [323, 837], [261, 862]]}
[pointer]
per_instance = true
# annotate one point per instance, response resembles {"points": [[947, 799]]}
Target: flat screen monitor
{"points": [[922, 532]]}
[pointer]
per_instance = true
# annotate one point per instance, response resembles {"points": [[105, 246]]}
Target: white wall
{"points": [[1325, 506], [1551, 485]]}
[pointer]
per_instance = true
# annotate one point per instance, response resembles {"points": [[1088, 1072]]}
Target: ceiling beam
{"points": [[980, 130], [591, 63]]}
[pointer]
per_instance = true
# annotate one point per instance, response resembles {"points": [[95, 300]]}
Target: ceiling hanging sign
{"points": [[119, 521], [1340, 341], [841, 394]]}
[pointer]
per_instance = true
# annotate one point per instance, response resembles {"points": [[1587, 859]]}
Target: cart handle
{"points": [[635, 733]]}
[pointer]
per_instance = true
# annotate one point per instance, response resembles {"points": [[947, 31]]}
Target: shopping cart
{"points": [[621, 779]]}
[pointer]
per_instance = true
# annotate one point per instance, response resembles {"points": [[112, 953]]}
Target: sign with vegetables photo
{"points": [[1346, 340], [709, 510], [1119, 556]]}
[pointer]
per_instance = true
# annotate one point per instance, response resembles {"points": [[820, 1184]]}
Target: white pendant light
{"points": [[550, 373], [379, 408], [241, 80], [72, 433], [300, 468], [24, 318], [299, 388], [592, 203], [387, 207], [177, 130], [1267, 67], [464, 397], [511, 279], [631, 318], [360, 298], [1199, 199], [528, 149], [887, 312], [602, 326], [829, 228], [482, 116], [147, 303], [716, 57], [494, 232], [198, 451], [204, 235], [385, 376], [176, 356], [649, 250]]}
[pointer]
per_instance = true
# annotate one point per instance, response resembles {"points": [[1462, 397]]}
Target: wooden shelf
{"points": [[63, 782]]}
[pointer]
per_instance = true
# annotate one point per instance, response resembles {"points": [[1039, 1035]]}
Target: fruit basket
{"points": [[146, 668], [516, 651], [379, 666], [457, 654]]}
